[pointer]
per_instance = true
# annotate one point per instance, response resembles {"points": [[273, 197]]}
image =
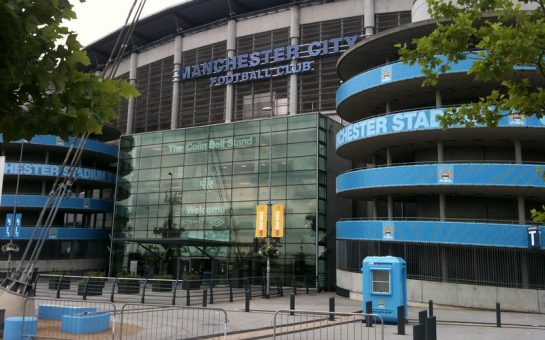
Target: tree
{"points": [[504, 41], [43, 89], [505, 38]]}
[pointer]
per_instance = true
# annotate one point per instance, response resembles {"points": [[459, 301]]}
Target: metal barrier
{"points": [[169, 322], [302, 324], [166, 292], [70, 319]]}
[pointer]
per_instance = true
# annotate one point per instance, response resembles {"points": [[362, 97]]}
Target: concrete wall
{"points": [[457, 294]]}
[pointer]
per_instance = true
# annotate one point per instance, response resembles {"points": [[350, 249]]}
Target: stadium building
{"points": [[195, 150], [454, 203], [197, 147], [78, 239]]}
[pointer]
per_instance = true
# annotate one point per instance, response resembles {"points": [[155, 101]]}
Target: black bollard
{"points": [[422, 316], [431, 328], [187, 295], [230, 292], [430, 303], [2, 317], [332, 309], [247, 302], [204, 297], [211, 296], [292, 303], [368, 312], [498, 315], [401, 320], [281, 289], [419, 332]]}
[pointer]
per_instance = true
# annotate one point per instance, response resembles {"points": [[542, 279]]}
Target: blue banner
{"points": [[31, 169], [13, 225]]}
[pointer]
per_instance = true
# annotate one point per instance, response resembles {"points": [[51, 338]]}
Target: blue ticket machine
{"points": [[385, 285]]}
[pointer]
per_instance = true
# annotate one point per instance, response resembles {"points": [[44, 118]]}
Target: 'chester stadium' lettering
{"points": [[264, 57], [53, 170], [404, 121]]}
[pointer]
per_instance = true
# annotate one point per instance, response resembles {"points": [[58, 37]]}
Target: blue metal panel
{"points": [[515, 175], [458, 233], [395, 72], [418, 120], [90, 145], [62, 234], [38, 201], [51, 170]]}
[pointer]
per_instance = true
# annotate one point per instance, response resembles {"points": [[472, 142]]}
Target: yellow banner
{"points": [[277, 220], [261, 220]]}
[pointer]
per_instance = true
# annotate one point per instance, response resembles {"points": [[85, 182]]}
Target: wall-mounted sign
{"points": [[13, 225], [387, 231], [268, 61], [277, 222], [212, 144], [534, 237], [445, 174], [31, 169], [261, 220]]}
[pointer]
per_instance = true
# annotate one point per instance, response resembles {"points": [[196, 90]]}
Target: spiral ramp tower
{"points": [[453, 202]]}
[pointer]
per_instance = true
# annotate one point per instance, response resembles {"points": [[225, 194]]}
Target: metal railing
{"points": [[167, 322], [166, 292], [303, 324]]}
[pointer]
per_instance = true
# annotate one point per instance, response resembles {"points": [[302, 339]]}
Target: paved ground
{"points": [[145, 322], [449, 320]]}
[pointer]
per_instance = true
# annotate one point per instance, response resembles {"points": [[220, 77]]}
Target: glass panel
{"points": [[246, 154], [150, 162], [305, 135], [302, 121], [302, 163], [302, 191], [196, 158], [381, 281], [302, 149], [247, 128], [152, 138], [196, 133], [173, 136], [221, 130]]}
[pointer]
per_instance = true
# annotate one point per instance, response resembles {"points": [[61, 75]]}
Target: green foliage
{"points": [[506, 40], [42, 87], [509, 38]]}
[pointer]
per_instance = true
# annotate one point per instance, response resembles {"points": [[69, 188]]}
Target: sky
{"points": [[97, 18]]}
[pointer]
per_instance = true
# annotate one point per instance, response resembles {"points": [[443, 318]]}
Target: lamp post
{"points": [[269, 205], [170, 203], [14, 219]]}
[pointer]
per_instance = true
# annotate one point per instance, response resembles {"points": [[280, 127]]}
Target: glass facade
{"points": [[189, 197]]}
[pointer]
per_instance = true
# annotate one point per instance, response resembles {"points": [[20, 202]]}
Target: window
{"points": [[380, 279]]}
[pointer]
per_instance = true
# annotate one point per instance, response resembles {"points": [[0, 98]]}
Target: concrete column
{"points": [[438, 99], [369, 16], [521, 210], [518, 151], [294, 40], [440, 152], [390, 207], [444, 265], [388, 156], [442, 207], [178, 46], [132, 101], [388, 109], [231, 49]]}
